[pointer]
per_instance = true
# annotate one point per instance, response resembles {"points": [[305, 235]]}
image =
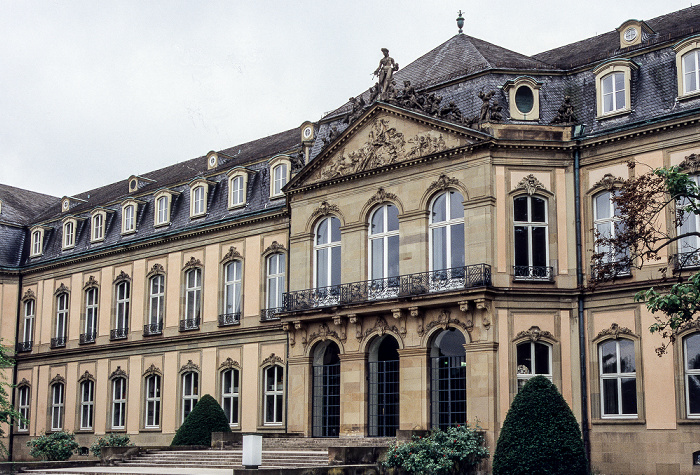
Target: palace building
{"points": [[407, 262]]}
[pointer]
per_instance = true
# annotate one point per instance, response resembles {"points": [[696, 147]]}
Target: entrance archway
{"points": [[326, 390], [383, 373], [448, 379]]}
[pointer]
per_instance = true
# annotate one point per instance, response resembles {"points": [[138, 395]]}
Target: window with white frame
{"points": [[162, 212], [613, 80], [37, 242], [447, 231], [533, 358], [327, 253], [123, 300], [618, 379], [688, 227], [91, 307], [118, 403], [274, 395], [193, 295], [613, 92], [691, 365], [98, 226], [69, 234], [57, 406], [232, 288], [87, 404], [198, 196], [384, 242], [237, 185], [530, 238], [275, 280], [28, 323], [23, 393], [128, 218], [61, 320], [608, 224], [230, 390], [190, 392], [152, 412], [280, 176], [688, 66], [156, 299]]}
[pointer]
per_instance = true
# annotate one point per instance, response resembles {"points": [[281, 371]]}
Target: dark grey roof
{"points": [[21, 206], [666, 28]]}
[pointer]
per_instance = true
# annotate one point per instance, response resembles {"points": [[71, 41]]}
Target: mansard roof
{"points": [[21, 206]]}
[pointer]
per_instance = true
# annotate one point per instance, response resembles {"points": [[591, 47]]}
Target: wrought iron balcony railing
{"points": [[187, 324], [227, 319], [545, 273], [685, 260], [23, 346], [88, 337], [58, 342], [153, 329], [422, 283], [610, 270], [270, 314], [119, 333]]}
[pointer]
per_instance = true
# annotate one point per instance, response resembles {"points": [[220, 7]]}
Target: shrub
{"points": [[53, 446], [206, 417], [540, 434], [112, 440], [456, 450]]}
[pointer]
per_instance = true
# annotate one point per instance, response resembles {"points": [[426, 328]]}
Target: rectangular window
{"points": [[162, 215], [237, 191], [129, 219], [232, 304], [274, 394], [618, 379], [229, 395], [118, 403], [691, 354], [98, 229], [157, 301], [29, 309], [91, 305], [61, 320], [613, 92], [122, 315], [152, 402], [87, 404], [23, 408], [198, 201], [57, 406], [68, 235], [691, 71], [190, 393], [280, 178], [275, 280], [193, 298], [36, 243]]}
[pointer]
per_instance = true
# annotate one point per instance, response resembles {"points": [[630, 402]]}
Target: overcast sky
{"points": [[93, 91]]}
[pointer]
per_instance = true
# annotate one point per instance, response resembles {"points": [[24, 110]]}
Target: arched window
{"points": [[193, 299], [27, 326], [152, 412], [98, 227], [87, 404], [162, 210], [691, 365], [607, 219], [23, 393], [618, 378], [190, 392], [198, 203], [533, 358], [68, 234], [384, 246], [121, 321], [274, 395], [237, 190], [327, 253], [129, 218], [279, 177], [156, 305], [91, 306], [530, 238], [448, 375], [232, 293], [613, 91], [275, 280], [691, 71], [37, 237], [59, 339], [383, 398], [326, 390], [57, 406], [119, 403], [447, 241], [230, 391]]}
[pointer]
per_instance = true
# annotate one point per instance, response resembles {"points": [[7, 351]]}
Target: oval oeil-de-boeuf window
{"points": [[524, 99]]}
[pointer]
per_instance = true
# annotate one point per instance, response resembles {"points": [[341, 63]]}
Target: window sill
{"points": [[126, 233], [197, 216], [689, 95], [689, 421], [610, 115], [237, 206], [274, 197], [161, 225], [97, 241], [68, 248], [619, 421], [85, 431], [151, 429]]}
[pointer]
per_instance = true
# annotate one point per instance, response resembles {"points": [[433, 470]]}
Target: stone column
{"points": [[299, 394], [353, 395], [482, 387], [414, 398]]}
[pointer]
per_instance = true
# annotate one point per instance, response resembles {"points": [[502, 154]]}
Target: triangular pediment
{"points": [[382, 137]]}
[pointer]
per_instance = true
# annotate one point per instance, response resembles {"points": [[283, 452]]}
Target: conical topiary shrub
{"points": [[206, 417], [540, 434]]}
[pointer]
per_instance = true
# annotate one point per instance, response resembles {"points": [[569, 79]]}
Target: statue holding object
{"points": [[385, 73]]}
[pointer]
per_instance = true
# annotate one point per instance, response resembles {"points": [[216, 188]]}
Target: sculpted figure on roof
{"points": [[385, 73]]}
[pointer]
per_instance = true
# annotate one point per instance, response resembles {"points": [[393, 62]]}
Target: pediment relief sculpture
{"points": [[691, 163], [188, 367], [229, 364], [118, 373], [231, 254], [29, 295], [192, 263], [156, 269], [272, 359], [86, 376], [62, 289], [609, 182], [151, 370], [91, 282], [274, 247], [534, 334], [530, 184], [615, 331]]}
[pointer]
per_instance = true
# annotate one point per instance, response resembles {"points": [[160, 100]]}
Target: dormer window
{"points": [[279, 173], [69, 230], [199, 191], [237, 188], [37, 242], [613, 81], [128, 217], [67, 202], [163, 201], [523, 98], [688, 67], [97, 226], [212, 160], [613, 92], [137, 182]]}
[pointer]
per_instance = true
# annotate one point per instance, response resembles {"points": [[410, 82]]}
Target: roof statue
{"points": [[385, 73]]}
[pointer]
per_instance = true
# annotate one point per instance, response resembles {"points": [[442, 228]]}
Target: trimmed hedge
{"points": [[540, 434], [53, 446], [206, 417]]}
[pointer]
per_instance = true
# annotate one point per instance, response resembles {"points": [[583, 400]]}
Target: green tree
{"points": [[206, 417], [8, 413], [643, 203], [540, 434]]}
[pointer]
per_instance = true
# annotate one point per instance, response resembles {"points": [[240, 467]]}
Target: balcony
{"points": [[533, 273], [270, 314], [228, 319], [153, 329], [88, 337], [187, 324], [23, 346], [410, 285], [685, 260], [119, 333], [58, 342], [610, 270]]}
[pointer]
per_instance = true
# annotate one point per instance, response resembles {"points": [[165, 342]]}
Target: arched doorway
{"points": [[326, 390], [383, 373], [448, 379]]}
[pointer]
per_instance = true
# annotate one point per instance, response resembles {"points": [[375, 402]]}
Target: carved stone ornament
{"points": [[352, 318], [189, 367], [323, 333], [274, 247], [62, 289], [381, 327], [91, 282], [615, 331], [340, 323], [57, 379], [156, 269], [530, 184], [192, 263], [416, 313], [272, 359], [23, 383], [691, 163], [152, 370], [565, 114], [609, 182], [229, 364], [86, 376], [301, 327], [398, 315], [324, 210], [118, 373], [444, 321], [534, 334], [231, 254], [381, 196], [443, 183], [29, 295], [122, 277], [691, 325]]}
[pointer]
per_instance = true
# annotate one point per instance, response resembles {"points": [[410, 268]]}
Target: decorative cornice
{"points": [[443, 183], [615, 331], [156, 269], [86, 377], [381, 196], [151, 370], [29, 295], [323, 333], [271, 360], [229, 364], [91, 282], [62, 289], [192, 263], [123, 276], [530, 184], [23, 383], [381, 327], [609, 182], [444, 321], [57, 379], [534, 334], [690, 164], [118, 373], [324, 210], [231, 254], [189, 367], [274, 247]]}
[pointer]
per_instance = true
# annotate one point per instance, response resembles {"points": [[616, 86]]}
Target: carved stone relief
{"points": [[323, 333], [352, 318], [86, 376], [274, 247], [156, 269], [231, 254], [381, 196], [534, 334], [189, 367], [122, 277], [339, 322], [91, 282], [118, 373], [29, 295], [57, 379], [530, 184], [192, 263], [61, 289], [229, 364], [615, 331], [609, 182], [442, 183], [401, 318], [381, 327], [416, 313], [151, 370], [324, 209], [272, 359], [691, 163]]}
